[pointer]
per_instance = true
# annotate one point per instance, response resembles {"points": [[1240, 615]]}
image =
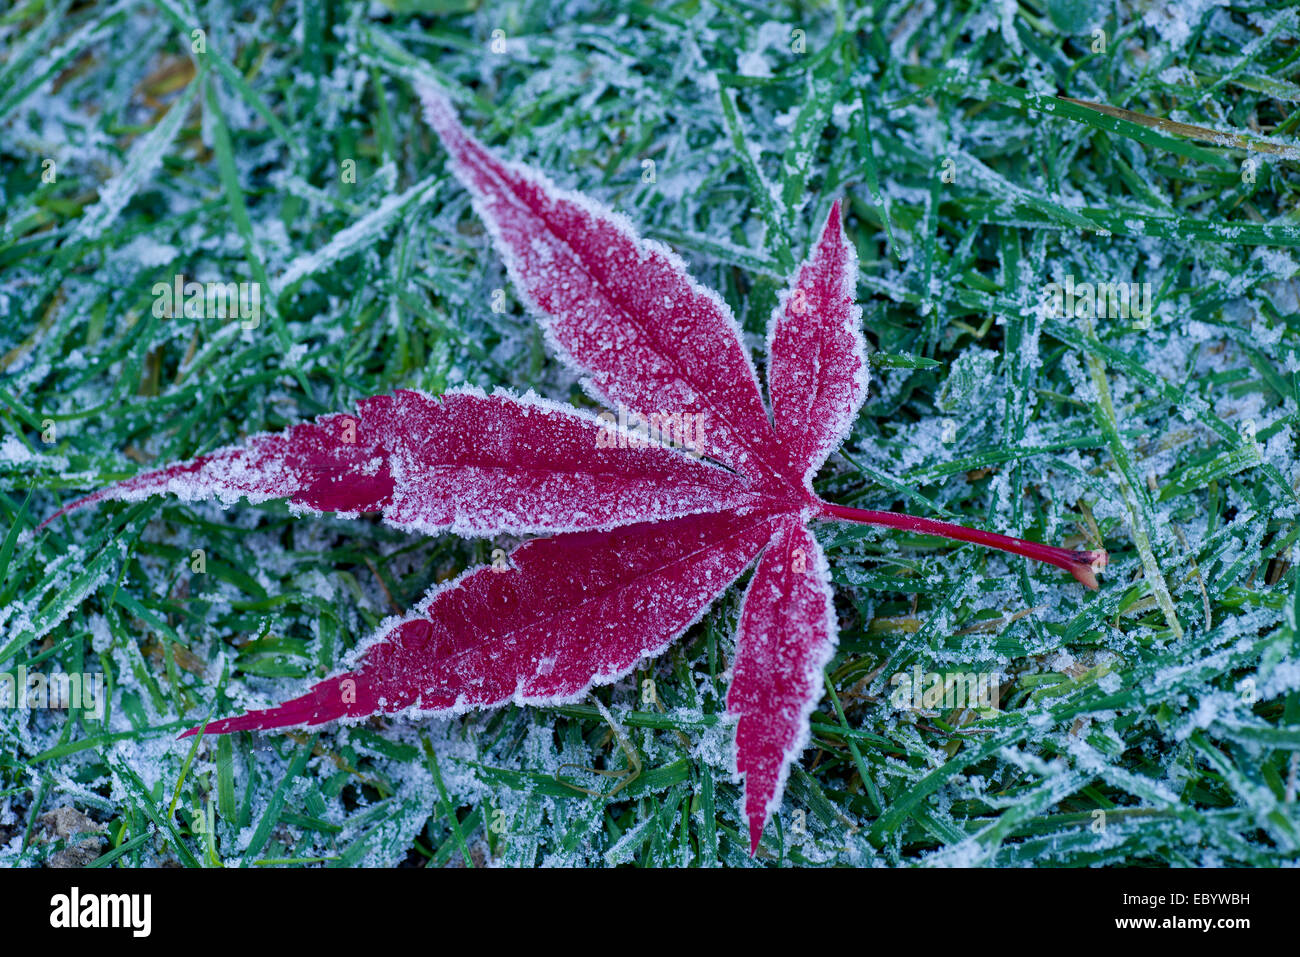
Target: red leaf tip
{"points": [[435, 102], [835, 217]]}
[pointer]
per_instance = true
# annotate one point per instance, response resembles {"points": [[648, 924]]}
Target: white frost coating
{"points": [[13, 452], [771, 34], [622, 850], [145, 157], [348, 240]]}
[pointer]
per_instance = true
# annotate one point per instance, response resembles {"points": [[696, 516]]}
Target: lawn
{"points": [[1084, 326]]}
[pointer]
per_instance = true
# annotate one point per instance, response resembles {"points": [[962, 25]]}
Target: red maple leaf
{"points": [[646, 532]]}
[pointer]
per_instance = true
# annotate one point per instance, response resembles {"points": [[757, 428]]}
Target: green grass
{"points": [[1169, 700]]}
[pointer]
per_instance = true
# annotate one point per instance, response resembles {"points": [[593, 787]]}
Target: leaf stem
{"points": [[1082, 565]]}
